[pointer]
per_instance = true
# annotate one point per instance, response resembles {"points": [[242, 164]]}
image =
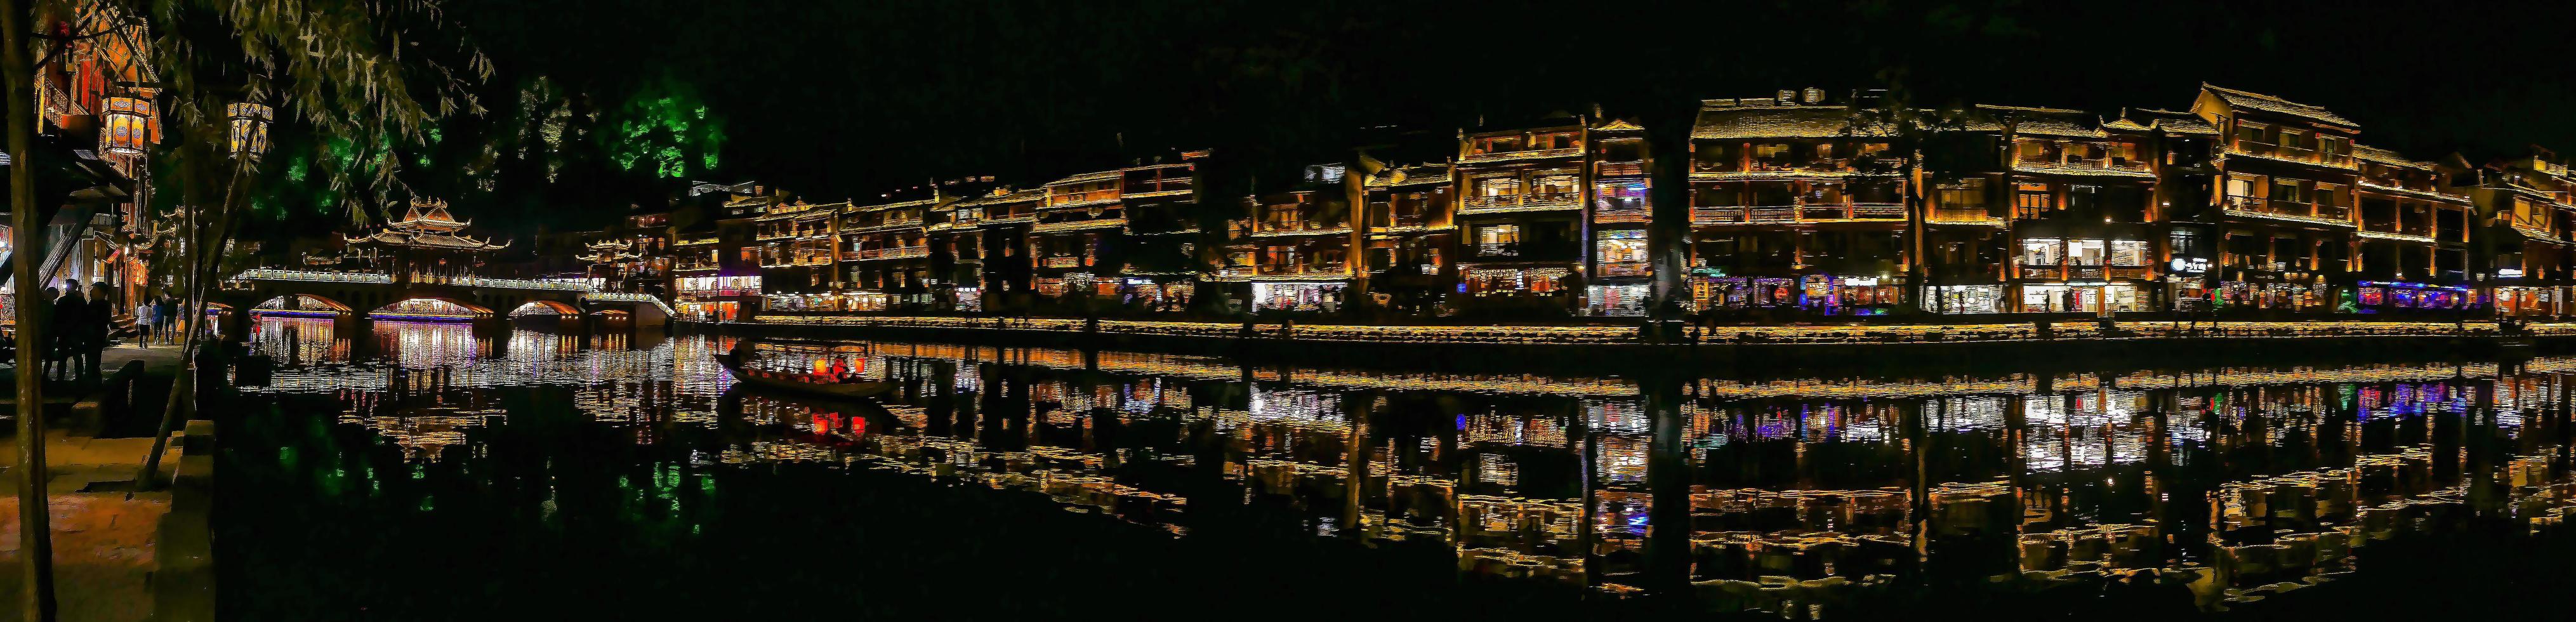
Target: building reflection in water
{"points": [[2217, 485]]}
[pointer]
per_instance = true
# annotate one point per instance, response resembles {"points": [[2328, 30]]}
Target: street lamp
{"points": [[249, 129]]}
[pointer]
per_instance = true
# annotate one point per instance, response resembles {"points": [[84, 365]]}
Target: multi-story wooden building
{"points": [[1170, 238], [2528, 227], [2082, 229], [1619, 196], [1078, 235], [1409, 237], [1293, 246], [957, 245], [1522, 193], [1795, 207], [998, 224], [799, 256], [2284, 201], [2412, 237], [885, 250]]}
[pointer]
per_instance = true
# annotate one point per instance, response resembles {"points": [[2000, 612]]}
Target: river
{"points": [[421, 472]]}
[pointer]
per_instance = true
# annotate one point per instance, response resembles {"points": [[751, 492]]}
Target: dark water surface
{"points": [[423, 473]]}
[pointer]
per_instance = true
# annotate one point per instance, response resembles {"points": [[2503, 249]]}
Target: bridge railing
{"points": [[629, 297], [318, 276], [561, 286]]}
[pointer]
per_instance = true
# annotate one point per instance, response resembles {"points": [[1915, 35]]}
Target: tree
{"points": [[1910, 130], [365, 77]]}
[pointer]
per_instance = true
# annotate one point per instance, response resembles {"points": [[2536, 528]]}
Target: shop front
{"points": [[1959, 299], [2272, 295], [1318, 296], [2418, 298], [1819, 294], [2527, 301], [1623, 300], [2081, 297]]}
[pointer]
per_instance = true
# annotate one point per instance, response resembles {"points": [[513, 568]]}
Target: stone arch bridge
{"points": [[356, 298]]}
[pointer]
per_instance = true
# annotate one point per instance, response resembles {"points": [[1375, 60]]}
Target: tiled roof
{"points": [[1768, 121], [2275, 105], [2368, 153], [1086, 177], [1409, 175], [2039, 121], [1023, 196]]}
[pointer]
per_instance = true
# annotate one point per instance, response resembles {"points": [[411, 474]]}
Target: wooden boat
{"points": [[736, 362]]}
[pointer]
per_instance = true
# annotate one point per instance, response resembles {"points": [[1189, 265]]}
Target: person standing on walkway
{"points": [[166, 311], [101, 326], [143, 324], [71, 317], [53, 356]]}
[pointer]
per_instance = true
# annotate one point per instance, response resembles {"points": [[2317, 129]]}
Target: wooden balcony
{"points": [[2259, 207], [1626, 268], [1619, 169], [2293, 154], [1521, 202], [1798, 214], [1620, 215], [1524, 154]]}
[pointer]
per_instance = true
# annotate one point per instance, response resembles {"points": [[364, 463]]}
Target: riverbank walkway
{"points": [[109, 545], [1859, 333]]}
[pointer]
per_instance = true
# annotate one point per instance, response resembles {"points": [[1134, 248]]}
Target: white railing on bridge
{"points": [[628, 297], [561, 286], [319, 276], [269, 274]]}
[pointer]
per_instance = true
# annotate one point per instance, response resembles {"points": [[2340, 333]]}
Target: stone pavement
{"points": [[103, 541]]}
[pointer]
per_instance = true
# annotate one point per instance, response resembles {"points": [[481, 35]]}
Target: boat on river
{"points": [[738, 362]]}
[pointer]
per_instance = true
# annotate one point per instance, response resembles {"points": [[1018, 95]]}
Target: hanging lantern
{"points": [[250, 128], [127, 125]]}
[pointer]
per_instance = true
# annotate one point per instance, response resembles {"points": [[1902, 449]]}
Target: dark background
{"points": [[838, 100]]}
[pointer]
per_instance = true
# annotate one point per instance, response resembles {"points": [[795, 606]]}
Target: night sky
{"points": [[848, 99]]}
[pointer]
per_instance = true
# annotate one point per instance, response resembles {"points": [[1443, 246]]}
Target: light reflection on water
{"points": [[2223, 485]]}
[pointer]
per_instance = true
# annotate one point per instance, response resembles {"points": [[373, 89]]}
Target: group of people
{"points": [[81, 326], [78, 332]]}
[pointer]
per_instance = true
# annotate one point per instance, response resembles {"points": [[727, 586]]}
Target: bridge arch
{"points": [[304, 305], [432, 308], [545, 307]]}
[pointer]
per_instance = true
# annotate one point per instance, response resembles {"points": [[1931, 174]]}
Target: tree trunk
{"points": [[35, 540], [203, 256]]}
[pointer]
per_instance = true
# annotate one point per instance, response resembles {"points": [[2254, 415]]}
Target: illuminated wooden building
{"points": [[999, 223], [422, 247], [2083, 229], [1293, 246], [885, 250], [2184, 151], [632, 256], [799, 258], [955, 275], [2283, 197], [1619, 197], [1410, 237], [2528, 226], [1170, 240], [1521, 205], [715, 269], [1794, 208], [1077, 234], [2412, 237], [1085, 245]]}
